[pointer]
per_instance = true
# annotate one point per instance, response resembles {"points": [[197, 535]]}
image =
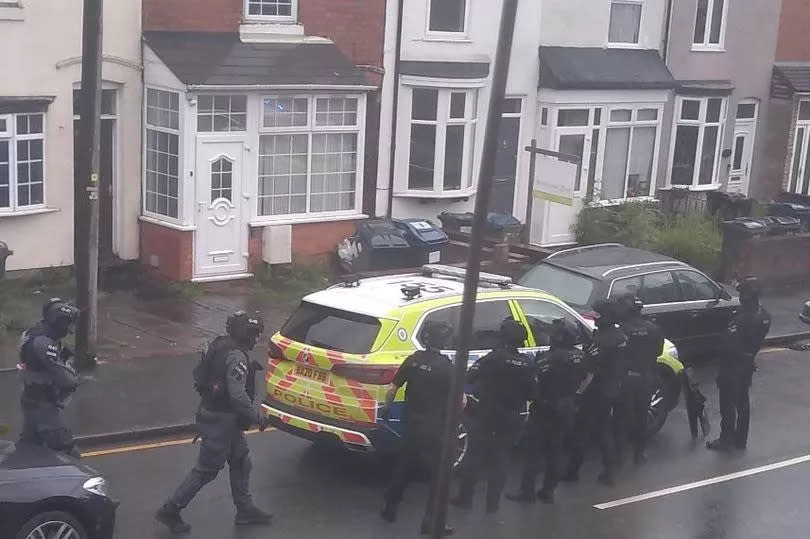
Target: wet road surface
{"points": [[316, 493]]}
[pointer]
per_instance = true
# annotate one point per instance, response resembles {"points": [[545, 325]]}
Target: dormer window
{"points": [[271, 10]]}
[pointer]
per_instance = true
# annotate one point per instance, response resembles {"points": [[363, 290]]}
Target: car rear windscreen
{"points": [[572, 288], [332, 329]]}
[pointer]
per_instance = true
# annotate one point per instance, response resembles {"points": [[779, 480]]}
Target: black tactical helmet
{"points": [[512, 333], [436, 334], [630, 304], [749, 286], [564, 333], [608, 311], [244, 327], [60, 315]]}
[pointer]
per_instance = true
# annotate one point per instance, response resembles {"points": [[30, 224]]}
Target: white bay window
{"points": [[441, 140], [22, 162], [310, 155], [630, 152], [162, 142], [696, 145]]}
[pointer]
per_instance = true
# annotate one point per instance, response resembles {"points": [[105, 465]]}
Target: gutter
{"points": [[243, 87]]}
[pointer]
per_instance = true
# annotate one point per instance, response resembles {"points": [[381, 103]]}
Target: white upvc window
{"points": [[624, 27], [799, 180], [271, 10], [441, 141], [221, 113], [631, 151], [162, 154], [22, 162], [448, 19], [310, 155], [710, 25], [697, 140]]}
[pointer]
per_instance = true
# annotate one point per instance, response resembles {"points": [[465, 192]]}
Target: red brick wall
{"points": [[775, 260], [316, 242], [793, 44], [356, 26], [192, 15], [174, 250], [255, 248]]}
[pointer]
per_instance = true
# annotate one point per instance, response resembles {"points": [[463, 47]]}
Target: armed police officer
{"points": [[645, 343], [223, 378], [428, 375], [502, 384], [562, 377], [742, 340], [49, 379], [600, 404]]}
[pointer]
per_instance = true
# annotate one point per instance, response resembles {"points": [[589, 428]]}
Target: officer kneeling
{"points": [[225, 380], [562, 376], [49, 379], [502, 383], [428, 375]]}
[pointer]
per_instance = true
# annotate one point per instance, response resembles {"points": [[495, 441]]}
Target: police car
{"points": [[330, 364]]}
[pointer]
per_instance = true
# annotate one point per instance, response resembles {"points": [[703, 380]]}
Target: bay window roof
{"points": [[221, 59], [586, 68]]}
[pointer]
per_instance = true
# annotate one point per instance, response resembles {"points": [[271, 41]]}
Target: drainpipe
{"points": [[395, 109], [667, 30]]}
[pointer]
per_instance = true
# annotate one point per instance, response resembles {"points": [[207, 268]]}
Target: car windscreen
{"points": [[572, 288], [332, 329]]}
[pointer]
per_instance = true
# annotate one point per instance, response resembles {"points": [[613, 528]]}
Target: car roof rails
{"points": [[584, 248], [439, 270]]}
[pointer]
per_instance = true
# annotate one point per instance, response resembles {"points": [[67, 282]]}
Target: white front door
{"points": [[221, 236], [558, 228], [742, 147]]}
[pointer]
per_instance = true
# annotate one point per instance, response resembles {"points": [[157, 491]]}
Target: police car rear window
{"points": [[572, 288], [332, 329]]}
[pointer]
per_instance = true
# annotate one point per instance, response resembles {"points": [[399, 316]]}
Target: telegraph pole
{"points": [[86, 192], [500, 73]]}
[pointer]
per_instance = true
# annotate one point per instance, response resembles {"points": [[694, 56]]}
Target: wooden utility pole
{"points": [[487, 172], [86, 192]]}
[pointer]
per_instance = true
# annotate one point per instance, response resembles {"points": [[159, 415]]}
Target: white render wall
{"points": [[43, 44]]}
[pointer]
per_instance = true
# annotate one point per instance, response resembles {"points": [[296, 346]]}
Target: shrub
{"points": [[693, 239], [634, 224]]}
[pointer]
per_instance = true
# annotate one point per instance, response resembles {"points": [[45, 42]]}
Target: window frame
{"points": [[445, 35], [705, 44], [717, 288], [471, 122], [625, 44], [417, 331], [289, 19], [311, 129], [212, 114], [800, 148], [632, 124], [181, 118], [642, 276], [569, 313], [11, 136], [702, 124]]}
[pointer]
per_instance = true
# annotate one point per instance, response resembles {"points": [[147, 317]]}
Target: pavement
{"points": [[683, 491]]}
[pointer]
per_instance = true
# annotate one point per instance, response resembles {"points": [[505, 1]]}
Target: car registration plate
{"points": [[311, 373]]}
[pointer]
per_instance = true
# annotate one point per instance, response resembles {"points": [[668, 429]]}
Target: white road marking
{"points": [[704, 483]]}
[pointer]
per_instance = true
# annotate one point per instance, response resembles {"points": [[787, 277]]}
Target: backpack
{"points": [[209, 373]]}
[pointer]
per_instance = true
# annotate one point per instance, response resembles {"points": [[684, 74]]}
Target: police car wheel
{"points": [[53, 524]]}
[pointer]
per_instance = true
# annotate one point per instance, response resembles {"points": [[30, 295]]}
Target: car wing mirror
{"points": [[723, 295]]}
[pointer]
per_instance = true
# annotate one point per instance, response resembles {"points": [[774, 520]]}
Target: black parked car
{"points": [[44, 494], [691, 308]]}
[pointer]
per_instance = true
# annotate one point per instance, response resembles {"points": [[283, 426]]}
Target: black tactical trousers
{"points": [[735, 407], [490, 446], [43, 425], [594, 419], [631, 420], [221, 441], [420, 447], [548, 430]]}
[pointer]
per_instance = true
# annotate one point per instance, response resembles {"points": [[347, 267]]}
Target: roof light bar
{"points": [[430, 270]]}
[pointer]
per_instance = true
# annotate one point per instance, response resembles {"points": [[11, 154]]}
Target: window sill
{"points": [[23, 213], [12, 13], [707, 187], [618, 201], [447, 37], [167, 224], [708, 48], [434, 195], [305, 219], [623, 46]]}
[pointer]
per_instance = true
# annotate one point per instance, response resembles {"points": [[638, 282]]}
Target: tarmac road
{"points": [[684, 491]]}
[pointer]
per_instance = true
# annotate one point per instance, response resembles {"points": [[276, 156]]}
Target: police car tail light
{"points": [[590, 315], [367, 374], [274, 351]]}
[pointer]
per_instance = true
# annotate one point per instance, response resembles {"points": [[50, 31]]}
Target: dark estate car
{"points": [[46, 495], [691, 308]]}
